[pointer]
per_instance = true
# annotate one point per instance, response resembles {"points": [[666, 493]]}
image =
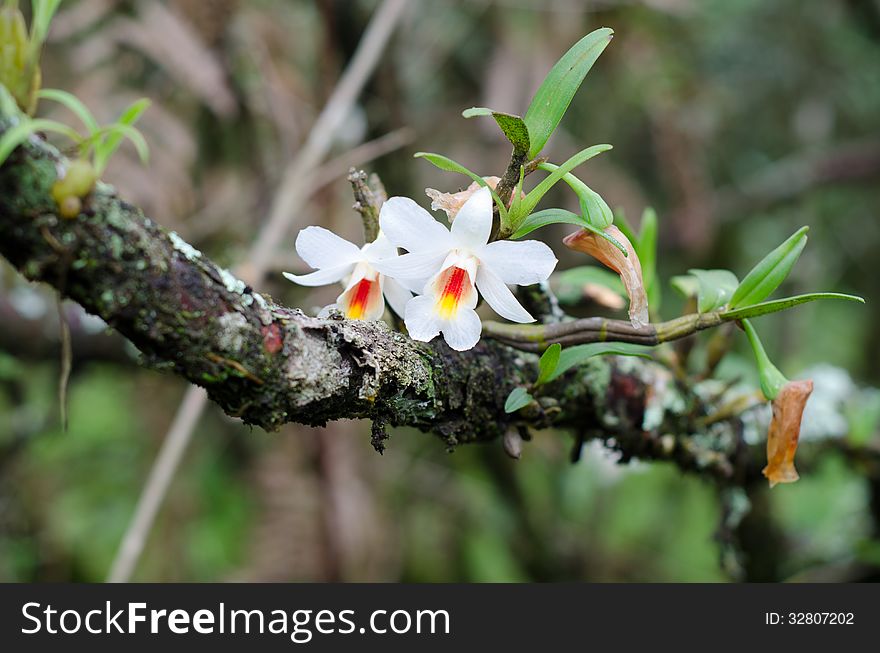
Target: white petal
{"points": [[379, 249], [523, 263], [408, 225], [321, 248], [421, 319], [362, 270], [320, 277], [411, 266], [463, 332], [499, 297], [473, 223], [398, 296]]}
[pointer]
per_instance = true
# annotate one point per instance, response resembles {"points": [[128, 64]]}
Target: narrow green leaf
{"points": [[771, 378], [518, 398], [715, 288], [74, 104], [108, 140], [42, 13], [646, 249], [133, 112], [447, 164], [8, 105], [625, 227], [558, 88], [776, 305], [548, 362], [15, 136], [561, 216], [531, 200], [547, 217], [107, 146], [646, 246], [766, 276], [513, 127], [594, 208], [569, 284], [577, 355]]}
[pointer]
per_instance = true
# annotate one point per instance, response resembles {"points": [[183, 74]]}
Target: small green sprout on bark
{"points": [[20, 93]]}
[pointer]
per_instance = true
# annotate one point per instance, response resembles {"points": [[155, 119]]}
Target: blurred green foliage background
{"points": [[737, 120]]}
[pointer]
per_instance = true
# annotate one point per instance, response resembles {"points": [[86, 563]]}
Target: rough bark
{"points": [[269, 364]]}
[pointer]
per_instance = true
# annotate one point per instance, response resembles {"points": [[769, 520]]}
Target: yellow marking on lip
{"points": [[453, 289], [358, 305]]}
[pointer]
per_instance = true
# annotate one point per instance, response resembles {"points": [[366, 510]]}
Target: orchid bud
{"points": [[77, 182], [628, 267], [785, 429]]}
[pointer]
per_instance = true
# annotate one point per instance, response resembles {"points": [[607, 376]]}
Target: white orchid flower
{"points": [[450, 266], [336, 259]]}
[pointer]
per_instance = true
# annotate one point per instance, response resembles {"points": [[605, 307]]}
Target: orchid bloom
{"points": [[450, 266], [628, 267], [336, 259], [785, 430]]}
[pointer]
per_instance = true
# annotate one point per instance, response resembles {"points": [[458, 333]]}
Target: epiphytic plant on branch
{"points": [[431, 276]]}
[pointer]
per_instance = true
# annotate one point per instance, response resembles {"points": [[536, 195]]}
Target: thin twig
{"points": [[66, 361], [537, 338], [156, 487], [296, 185]]}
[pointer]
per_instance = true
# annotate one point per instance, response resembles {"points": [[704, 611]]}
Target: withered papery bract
{"points": [[628, 267], [452, 202], [785, 430]]}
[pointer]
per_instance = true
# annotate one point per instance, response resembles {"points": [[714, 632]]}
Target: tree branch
{"points": [[269, 364]]}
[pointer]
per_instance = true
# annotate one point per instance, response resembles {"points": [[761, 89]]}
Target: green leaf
{"points": [[593, 207], [561, 216], [112, 138], [548, 362], [558, 88], [531, 200], [686, 285], [766, 276], [625, 227], [15, 136], [570, 283], [518, 398], [862, 415], [133, 111], [646, 249], [771, 378], [447, 164], [715, 288], [782, 304], [109, 138], [8, 105], [579, 354], [74, 104], [512, 126], [42, 13], [547, 217]]}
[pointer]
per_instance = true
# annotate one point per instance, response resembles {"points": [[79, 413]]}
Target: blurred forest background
{"points": [[737, 120]]}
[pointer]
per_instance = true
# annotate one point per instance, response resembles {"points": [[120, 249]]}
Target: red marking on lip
{"points": [[358, 305]]}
